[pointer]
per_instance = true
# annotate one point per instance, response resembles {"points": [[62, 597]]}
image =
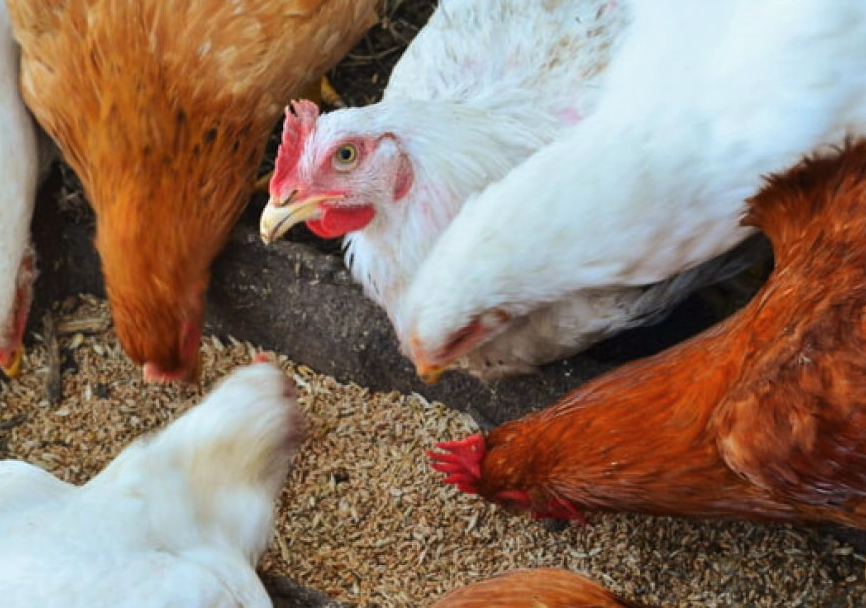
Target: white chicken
{"points": [[179, 518], [19, 174], [699, 101], [483, 85]]}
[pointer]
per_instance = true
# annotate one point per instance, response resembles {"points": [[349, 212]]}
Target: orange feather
{"points": [[163, 108], [539, 588]]}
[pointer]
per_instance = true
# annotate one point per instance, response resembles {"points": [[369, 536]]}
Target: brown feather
{"points": [[539, 588], [761, 417], [163, 108]]}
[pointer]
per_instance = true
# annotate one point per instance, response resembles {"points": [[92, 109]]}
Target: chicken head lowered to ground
{"points": [[455, 118], [179, 518], [163, 108], [696, 105], [761, 417]]}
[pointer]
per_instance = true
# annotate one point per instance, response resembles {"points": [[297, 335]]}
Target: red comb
{"points": [[461, 461], [301, 117], [261, 358]]}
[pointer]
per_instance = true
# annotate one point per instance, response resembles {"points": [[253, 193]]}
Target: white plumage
{"points": [[484, 85], [699, 102], [179, 518], [19, 170]]}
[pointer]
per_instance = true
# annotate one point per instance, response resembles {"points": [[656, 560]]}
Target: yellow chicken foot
{"points": [[263, 182], [329, 95], [323, 92]]}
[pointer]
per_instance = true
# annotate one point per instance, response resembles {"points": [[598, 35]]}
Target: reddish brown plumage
{"points": [[761, 417], [163, 108], [539, 588]]}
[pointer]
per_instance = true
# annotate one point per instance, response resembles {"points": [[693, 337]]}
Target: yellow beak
{"points": [[430, 374], [280, 215], [14, 369], [427, 371]]}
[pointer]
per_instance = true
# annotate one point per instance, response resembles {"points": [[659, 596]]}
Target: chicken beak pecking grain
{"points": [[13, 368], [152, 373], [281, 214]]}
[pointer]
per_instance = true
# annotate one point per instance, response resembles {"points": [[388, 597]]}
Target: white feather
{"points": [[482, 86], [19, 168], [179, 518], [700, 101]]}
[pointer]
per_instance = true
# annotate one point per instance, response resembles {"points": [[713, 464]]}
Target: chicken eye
{"points": [[346, 155]]}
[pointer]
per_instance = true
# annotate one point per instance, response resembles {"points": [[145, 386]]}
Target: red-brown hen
{"points": [[163, 108], [761, 417]]}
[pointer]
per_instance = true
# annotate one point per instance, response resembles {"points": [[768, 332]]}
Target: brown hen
{"points": [[539, 588], [163, 108], [761, 417]]}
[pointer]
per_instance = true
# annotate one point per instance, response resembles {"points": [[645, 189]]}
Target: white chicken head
{"points": [[433, 355], [251, 424], [456, 302], [227, 457], [333, 180]]}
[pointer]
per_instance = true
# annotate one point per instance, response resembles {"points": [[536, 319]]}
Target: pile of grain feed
{"points": [[363, 518]]}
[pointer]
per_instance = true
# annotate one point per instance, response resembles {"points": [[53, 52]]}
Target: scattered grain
{"points": [[364, 519]]}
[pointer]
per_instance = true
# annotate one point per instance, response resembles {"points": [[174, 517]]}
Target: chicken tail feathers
{"points": [[461, 461], [790, 202]]}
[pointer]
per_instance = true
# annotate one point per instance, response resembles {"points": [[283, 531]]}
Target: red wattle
{"points": [[337, 221]]}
